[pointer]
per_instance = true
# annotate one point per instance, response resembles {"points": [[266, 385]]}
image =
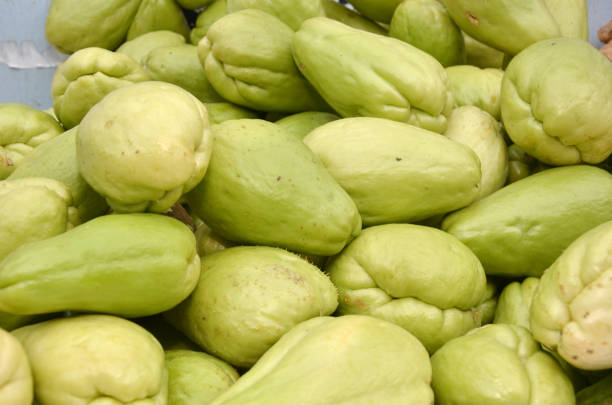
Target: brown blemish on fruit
{"points": [[9, 162], [108, 124], [399, 159], [590, 351], [586, 314], [278, 178], [472, 19]]}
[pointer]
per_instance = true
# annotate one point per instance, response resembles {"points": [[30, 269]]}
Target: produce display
{"points": [[287, 202]]}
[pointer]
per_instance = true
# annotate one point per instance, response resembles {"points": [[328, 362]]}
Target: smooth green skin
{"points": [[349, 359], [248, 297], [208, 242], [180, 65], [571, 16], [94, 359], [521, 229], [499, 365], [377, 10], [596, 394], [150, 162], [86, 77], [555, 102], [194, 4], [16, 384], [154, 266], [514, 302], [403, 273], [247, 58], [301, 124], [155, 15], [363, 74], [481, 55], [506, 25], [291, 12], [196, 378], [426, 25], [387, 168], [477, 129], [265, 187], [22, 128], [57, 159], [220, 112], [571, 310], [9, 322], [140, 47], [338, 12], [32, 209], [478, 87], [206, 18], [73, 25]]}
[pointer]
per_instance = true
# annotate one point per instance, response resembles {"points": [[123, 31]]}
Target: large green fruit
{"points": [[377, 10], [16, 385], [157, 15], [140, 47], [478, 87], [291, 12], [264, 186]]}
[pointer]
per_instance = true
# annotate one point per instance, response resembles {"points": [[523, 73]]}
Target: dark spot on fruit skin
{"points": [[575, 357], [472, 19], [9, 162], [586, 314], [108, 124], [137, 151], [278, 178], [399, 159], [590, 351]]}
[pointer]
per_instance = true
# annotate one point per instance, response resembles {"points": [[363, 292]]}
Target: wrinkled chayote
{"points": [[478, 87], [16, 385], [514, 302], [140, 47]]}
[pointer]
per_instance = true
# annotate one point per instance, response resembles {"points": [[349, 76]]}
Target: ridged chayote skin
{"points": [[477, 129], [74, 24], [339, 12], [352, 359], [247, 58], [507, 25], [478, 87], [219, 112], [140, 47], [264, 186], [16, 385], [572, 307], [86, 77], [498, 365], [22, 128], [206, 18], [363, 74], [555, 102], [522, 228], [248, 297], [291, 12], [514, 302], [301, 124], [129, 265], [403, 273], [426, 25], [31, 209], [146, 163], [94, 359], [56, 159], [396, 172], [196, 378], [155, 15], [377, 10]]}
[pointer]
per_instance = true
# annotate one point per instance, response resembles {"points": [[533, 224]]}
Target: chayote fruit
{"points": [[477, 129], [339, 12], [329, 360], [481, 55], [155, 15], [194, 4], [478, 87], [146, 163], [32, 209], [521, 229], [291, 12], [377, 10], [555, 102], [426, 25], [213, 12], [56, 159], [247, 58], [219, 112], [301, 124], [401, 273], [498, 364], [507, 25], [16, 385], [22, 128], [386, 168], [248, 297], [196, 378], [514, 302], [208, 242], [180, 65], [129, 265], [94, 359], [74, 24], [264, 186], [363, 74], [88, 75], [140, 47], [571, 16], [571, 309]]}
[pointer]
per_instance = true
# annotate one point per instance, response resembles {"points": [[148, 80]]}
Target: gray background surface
{"points": [[27, 60]]}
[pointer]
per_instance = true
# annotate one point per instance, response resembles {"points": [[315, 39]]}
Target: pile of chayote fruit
{"points": [[298, 202]]}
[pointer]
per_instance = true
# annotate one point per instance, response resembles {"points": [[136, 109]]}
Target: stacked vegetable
{"points": [[306, 204]]}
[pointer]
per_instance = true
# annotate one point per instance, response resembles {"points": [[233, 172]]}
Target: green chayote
{"points": [[478, 87], [140, 47], [291, 12], [16, 385], [213, 12], [155, 15], [301, 124]]}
